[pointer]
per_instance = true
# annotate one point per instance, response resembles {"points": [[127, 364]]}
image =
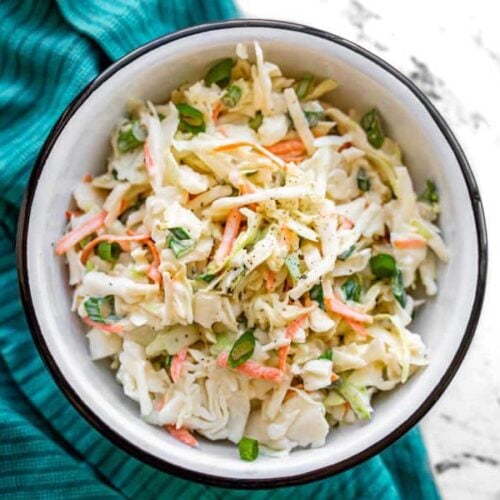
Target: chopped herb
{"points": [[130, 136], [255, 122], [383, 265], [372, 125], [398, 289], [207, 277], [313, 117], [168, 361], [180, 233], [220, 73], [191, 119], [430, 194], [179, 241], [110, 252], [114, 174], [242, 349], [346, 253], [232, 96], [101, 309], [316, 293], [292, 263], [303, 85], [249, 449], [328, 354], [363, 180], [352, 289]]}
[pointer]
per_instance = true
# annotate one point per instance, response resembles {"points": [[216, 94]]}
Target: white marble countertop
{"points": [[451, 50]]}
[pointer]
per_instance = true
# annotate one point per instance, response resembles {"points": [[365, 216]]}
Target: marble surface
{"points": [[451, 50]]}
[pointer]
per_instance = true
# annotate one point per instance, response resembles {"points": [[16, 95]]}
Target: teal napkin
{"points": [[49, 50]]}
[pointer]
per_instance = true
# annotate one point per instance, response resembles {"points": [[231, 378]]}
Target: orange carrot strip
{"points": [[282, 357], [246, 187], [346, 223], [177, 364], [111, 238], [148, 159], [112, 328], [183, 435], [252, 369], [216, 111], [270, 281], [338, 307], [231, 230], [410, 243], [334, 377], [72, 213], [73, 237], [153, 272], [87, 178], [357, 327], [290, 332], [288, 147]]}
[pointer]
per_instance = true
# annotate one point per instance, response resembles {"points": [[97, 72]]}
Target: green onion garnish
{"points": [[372, 125], [316, 293], [131, 136], [398, 289], [255, 122], [328, 354], [191, 119], [363, 180], [313, 117], [303, 85], [352, 289], [242, 349], [249, 449], [180, 233], [207, 277], [292, 263], [179, 241], [383, 265], [110, 252], [220, 73], [346, 253], [101, 309], [430, 194], [232, 96]]}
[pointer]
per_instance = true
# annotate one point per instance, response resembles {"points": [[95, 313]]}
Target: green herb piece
{"points": [[179, 241], [346, 253], [89, 266], [328, 354], [220, 73], [372, 125], [303, 85], [313, 117], [383, 265], [363, 180], [130, 136], [100, 309], [398, 289], [232, 96], [180, 233], [249, 449], [242, 349], [255, 122], [352, 289], [292, 263], [168, 361], [430, 194], [191, 119], [114, 174], [207, 277], [110, 252], [316, 293]]}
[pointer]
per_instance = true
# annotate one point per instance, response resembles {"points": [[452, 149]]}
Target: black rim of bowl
{"points": [[122, 441]]}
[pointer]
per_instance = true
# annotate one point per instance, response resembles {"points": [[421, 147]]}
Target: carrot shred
{"points": [[270, 281], [252, 369], [357, 327], [110, 328], [73, 237], [346, 223], [334, 377], [246, 187], [288, 148], [87, 178], [148, 160], [182, 435], [72, 213], [346, 145], [153, 273], [231, 230], [290, 333], [177, 364], [333, 304], [216, 111], [410, 243]]}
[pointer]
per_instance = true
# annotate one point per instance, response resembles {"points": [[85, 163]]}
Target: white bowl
{"points": [[79, 144]]}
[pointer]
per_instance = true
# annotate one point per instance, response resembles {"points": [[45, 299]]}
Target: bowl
{"points": [[79, 144]]}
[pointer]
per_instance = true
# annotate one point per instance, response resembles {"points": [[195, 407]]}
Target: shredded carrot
{"points": [[73, 237], [270, 281], [231, 230], [338, 307], [153, 272], [357, 327], [246, 187], [346, 145], [177, 364], [288, 238], [122, 240], [221, 129], [182, 435], [263, 151], [111, 328], [288, 148], [148, 158], [87, 178], [290, 333], [410, 243], [72, 213], [252, 369], [334, 377], [346, 223], [216, 111]]}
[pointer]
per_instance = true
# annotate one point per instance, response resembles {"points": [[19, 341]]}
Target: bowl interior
{"points": [[82, 147]]}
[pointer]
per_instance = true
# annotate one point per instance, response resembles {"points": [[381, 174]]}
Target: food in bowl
{"points": [[246, 261]]}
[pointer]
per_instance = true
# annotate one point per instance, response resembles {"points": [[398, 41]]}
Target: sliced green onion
{"points": [[220, 73], [114, 174], [363, 180], [100, 309], [232, 96], [180, 247], [255, 122], [352, 289], [346, 253], [398, 289], [180, 233], [191, 119], [372, 125], [303, 85], [292, 263], [110, 252], [249, 449], [383, 265], [430, 194], [168, 361], [316, 293], [242, 349], [313, 117], [207, 277], [328, 354], [131, 136]]}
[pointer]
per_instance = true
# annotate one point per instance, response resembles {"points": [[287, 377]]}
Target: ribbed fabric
{"points": [[49, 50]]}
